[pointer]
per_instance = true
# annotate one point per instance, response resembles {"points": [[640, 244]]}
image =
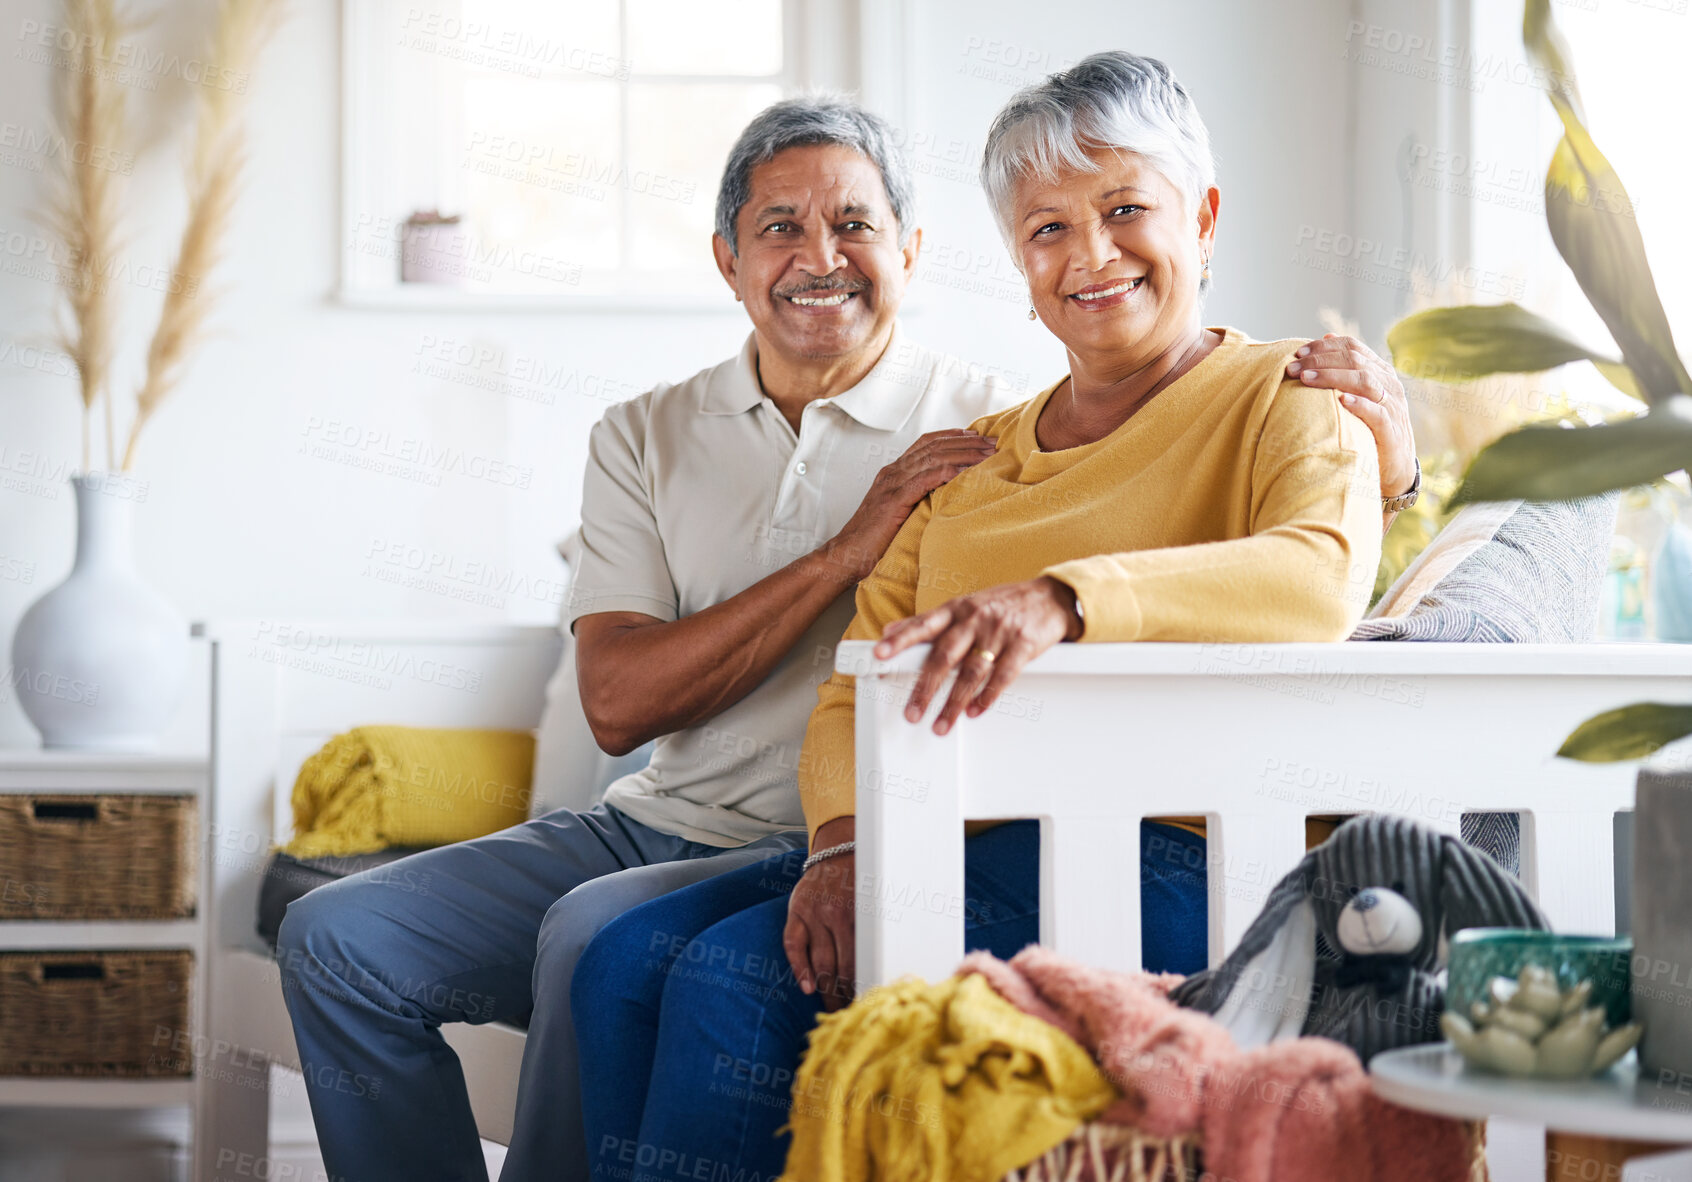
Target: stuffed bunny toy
{"points": [[1351, 944]]}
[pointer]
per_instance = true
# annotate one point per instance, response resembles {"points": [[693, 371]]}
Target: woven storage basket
{"points": [[97, 857], [95, 1013], [1100, 1151]]}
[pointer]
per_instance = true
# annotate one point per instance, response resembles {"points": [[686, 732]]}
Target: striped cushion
{"points": [[1536, 582]]}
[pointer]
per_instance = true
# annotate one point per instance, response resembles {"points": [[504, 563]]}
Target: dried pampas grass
{"points": [[214, 175], [86, 197], [84, 202]]}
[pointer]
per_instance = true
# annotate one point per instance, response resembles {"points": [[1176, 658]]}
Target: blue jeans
{"points": [[481, 931], [691, 1026]]}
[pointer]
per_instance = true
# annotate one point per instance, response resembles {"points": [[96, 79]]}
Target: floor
{"points": [[150, 1145], [79, 1145]]}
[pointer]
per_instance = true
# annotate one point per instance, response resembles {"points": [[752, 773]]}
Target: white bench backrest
{"points": [[282, 689], [1093, 738]]}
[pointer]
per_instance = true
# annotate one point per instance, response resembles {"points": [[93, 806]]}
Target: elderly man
{"points": [[725, 521]]}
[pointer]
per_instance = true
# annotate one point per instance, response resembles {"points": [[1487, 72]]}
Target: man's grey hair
{"points": [[814, 119], [1116, 100]]}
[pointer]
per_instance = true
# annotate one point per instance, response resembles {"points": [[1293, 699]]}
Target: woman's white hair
{"points": [[1115, 100]]}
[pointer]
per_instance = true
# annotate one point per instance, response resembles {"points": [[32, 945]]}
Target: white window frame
{"points": [[857, 46]]}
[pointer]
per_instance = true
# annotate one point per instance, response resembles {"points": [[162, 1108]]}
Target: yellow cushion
{"points": [[380, 786]]}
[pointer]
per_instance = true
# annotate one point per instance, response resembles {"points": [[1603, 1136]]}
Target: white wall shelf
{"points": [[41, 935], [36, 769], [23, 1091], [431, 297]]}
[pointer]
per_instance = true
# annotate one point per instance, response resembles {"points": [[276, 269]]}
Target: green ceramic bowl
{"points": [[1477, 955]]}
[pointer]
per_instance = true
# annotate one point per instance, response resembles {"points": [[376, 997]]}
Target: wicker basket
{"points": [[1099, 1151], [1102, 1151], [97, 857], [95, 1013]]}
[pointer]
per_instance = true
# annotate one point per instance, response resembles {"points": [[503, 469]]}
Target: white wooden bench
{"points": [[1091, 739], [279, 690]]}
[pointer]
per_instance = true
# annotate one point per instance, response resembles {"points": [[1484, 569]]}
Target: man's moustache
{"points": [[815, 288]]}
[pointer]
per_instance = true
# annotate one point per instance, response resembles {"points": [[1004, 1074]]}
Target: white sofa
{"points": [[1091, 739]]}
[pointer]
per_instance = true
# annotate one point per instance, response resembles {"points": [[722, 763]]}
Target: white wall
{"points": [[238, 522], [1278, 133]]}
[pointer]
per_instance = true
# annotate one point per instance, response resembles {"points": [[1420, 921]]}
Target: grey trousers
{"points": [[485, 930]]}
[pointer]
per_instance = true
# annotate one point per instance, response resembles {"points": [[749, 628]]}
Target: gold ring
{"points": [[986, 654]]}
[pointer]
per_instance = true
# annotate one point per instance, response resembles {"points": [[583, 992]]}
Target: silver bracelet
{"points": [[844, 847], [1407, 498]]}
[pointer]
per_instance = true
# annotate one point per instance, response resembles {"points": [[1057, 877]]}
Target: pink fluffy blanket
{"points": [[1294, 1111]]}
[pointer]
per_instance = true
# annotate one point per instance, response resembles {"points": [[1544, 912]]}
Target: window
{"points": [[558, 150], [1629, 57]]}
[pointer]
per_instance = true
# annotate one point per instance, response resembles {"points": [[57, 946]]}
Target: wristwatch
{"points": [[1404, 500]]}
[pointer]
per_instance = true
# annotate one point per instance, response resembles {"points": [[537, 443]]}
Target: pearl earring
{"points": [[1206, 273], [1031, 315]]}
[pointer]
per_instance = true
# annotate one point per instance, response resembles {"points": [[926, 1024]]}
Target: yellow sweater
{"points": [[1234, 506]]}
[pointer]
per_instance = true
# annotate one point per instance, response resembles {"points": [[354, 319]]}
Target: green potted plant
{"points": [[1593, 226]]}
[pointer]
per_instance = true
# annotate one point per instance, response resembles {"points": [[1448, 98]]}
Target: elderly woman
{"points": [[1176, 484]]}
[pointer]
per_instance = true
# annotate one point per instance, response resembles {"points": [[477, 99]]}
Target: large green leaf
{"points": [[1621, 377], [1592, 223], [1472, 341], [1632, 732], [1545, 45], [1557, 463]]}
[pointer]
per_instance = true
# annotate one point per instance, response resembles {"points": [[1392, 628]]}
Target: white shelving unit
{"points": [[37, 771]]}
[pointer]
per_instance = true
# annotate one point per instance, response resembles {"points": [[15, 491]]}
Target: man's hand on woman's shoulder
{"points": [[1368, 388], [927, 464]]}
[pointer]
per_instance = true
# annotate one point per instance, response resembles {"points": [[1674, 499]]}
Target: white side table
{"points": [[1603, 1121], [34, 770]]}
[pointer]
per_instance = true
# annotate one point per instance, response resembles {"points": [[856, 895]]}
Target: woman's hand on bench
{"points": [[987, 637]]}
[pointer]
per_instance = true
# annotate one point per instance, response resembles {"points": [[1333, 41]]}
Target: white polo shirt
{"points": [[696, 491]]}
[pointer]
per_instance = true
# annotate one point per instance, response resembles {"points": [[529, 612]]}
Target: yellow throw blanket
{"points": [[936, 1083], [380, 786]]}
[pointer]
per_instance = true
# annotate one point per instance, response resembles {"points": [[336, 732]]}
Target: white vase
{"points": [[99, 662]]}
